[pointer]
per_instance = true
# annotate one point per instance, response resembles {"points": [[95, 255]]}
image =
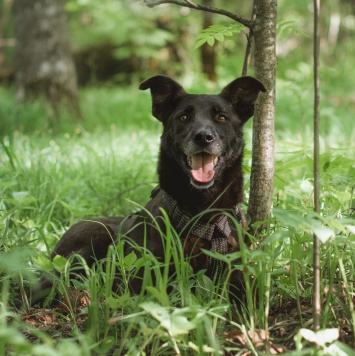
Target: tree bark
{"points": [[262, 171], [44, 65]]}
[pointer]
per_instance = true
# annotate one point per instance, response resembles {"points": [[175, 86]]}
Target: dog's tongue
{"points": [[202, 167]]}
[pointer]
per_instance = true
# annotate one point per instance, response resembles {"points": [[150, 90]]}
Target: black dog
{"points": [[200, 175]]}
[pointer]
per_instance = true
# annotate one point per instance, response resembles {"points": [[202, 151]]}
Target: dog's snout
{"points": [[204, 137]]}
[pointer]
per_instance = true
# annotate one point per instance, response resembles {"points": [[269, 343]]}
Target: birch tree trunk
{"points": [[262, 171], [44, 64]]}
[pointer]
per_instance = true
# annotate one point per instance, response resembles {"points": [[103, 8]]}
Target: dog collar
{"points": [[209, 231], [217, 232]]}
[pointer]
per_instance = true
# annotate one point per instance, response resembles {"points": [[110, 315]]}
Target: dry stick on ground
{"points": [[263, 29], [316, 244]]}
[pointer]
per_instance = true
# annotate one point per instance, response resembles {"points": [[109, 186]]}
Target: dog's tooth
{"points": [[215, 161]]}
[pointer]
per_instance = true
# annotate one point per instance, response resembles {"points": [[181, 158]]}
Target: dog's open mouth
{"points": [[202, 167]]}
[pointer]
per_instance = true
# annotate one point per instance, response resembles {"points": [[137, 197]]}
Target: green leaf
{"points": [[259, 256], [323, 233], [156, 310], [226, 258], [321, 337], [130, 259], [219, 37], [45, 262], [290, 218], [215, 28], [210, 40], [327, 336], [200, 43], [217, 33], [59, 263], [115, 303], [311, 221], [176, 323], [277, 236]]}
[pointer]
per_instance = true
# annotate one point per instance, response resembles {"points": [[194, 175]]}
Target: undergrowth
{"points": [[106, 166]]}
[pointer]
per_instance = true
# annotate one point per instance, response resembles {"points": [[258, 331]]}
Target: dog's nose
{"points": [[204, 137]]}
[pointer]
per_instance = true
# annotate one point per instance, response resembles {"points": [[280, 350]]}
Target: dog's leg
{"points": [[90, 239]]}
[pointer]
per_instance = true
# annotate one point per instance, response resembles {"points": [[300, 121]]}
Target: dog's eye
{"points": [[183, 118], [221, 118]]}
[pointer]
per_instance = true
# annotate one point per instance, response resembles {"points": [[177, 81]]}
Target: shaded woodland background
{"points": [[120, 42]]}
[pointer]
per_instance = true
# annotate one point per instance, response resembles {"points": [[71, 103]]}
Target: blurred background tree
{"points": [[208, 52], [43, 60]]}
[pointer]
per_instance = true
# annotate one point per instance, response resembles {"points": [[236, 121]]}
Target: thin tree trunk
{"points": [[44, 64], [316, 244], [249, 42], [262, 175]]}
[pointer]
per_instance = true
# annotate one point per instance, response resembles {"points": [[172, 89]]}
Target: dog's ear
{"points": [[164, 91], [242, 93]]}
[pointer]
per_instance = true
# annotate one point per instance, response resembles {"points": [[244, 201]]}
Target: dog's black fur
{"points": [[199, 169]]}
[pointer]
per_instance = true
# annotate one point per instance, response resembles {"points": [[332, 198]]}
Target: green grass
{"points": [[107, 166]]}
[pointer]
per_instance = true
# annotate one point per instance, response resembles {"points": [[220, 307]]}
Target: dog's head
{"points": [[203, 133]]}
